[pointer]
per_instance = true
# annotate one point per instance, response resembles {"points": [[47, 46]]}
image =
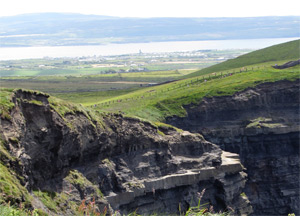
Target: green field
{"points": [[144, 62], [89, 80], [91, 88]]}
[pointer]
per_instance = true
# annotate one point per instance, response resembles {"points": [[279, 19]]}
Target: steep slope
{"points": [[284, 51], [262, 125], [62, 155]]}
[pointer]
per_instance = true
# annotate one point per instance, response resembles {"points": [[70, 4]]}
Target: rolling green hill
{"points": [[284, 51], [158, 102]]}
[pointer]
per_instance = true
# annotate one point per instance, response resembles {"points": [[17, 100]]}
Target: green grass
{"points": [[157, 103], [53, 87], [5, 156], [263, 122], [55, 202], [93, 88], [166, 126], [81, 182], [6, 104], [7, 210], [281, 52], [90, 89], [63, 107], [48, 199], [90, 98], [11, 189]]}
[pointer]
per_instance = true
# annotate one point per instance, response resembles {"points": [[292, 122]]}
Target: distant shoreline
{"points": [[17, 53]]}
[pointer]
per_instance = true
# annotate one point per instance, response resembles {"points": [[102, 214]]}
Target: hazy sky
{"points": [[155, 8]]}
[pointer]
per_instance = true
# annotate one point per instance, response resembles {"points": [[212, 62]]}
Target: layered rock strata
{"points": [[261, 124], [121, 163]]}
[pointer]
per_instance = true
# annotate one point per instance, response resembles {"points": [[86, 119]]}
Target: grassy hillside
{"points": [[156, 103], [284, 51]]}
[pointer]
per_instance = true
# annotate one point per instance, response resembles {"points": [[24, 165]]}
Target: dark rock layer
{"points": [[130, 161], [262, 125], [287, 65]]}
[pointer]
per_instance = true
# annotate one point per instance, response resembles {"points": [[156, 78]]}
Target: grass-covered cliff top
{"points": [[158, 102]]}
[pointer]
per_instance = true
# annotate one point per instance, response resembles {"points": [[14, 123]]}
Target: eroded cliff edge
{"points": [[261, 124], [50, 148]]}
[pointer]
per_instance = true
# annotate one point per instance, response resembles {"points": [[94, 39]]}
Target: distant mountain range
{"points": [[59, 29]]}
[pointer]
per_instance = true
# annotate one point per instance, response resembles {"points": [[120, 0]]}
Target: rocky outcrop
{"points": [[287, 65], [261, 124], [120, 163]]}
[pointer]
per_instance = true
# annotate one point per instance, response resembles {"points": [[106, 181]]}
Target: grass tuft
{"points": [[11, 189], [6, 104]]}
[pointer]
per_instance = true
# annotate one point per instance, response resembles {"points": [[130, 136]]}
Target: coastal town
{"points": [[139, 62]]}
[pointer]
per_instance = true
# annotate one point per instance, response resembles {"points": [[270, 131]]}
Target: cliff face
{"points": [[122, 163], [262, 125]]}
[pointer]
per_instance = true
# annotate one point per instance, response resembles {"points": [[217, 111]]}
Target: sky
{"points": [[155, 8]]}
